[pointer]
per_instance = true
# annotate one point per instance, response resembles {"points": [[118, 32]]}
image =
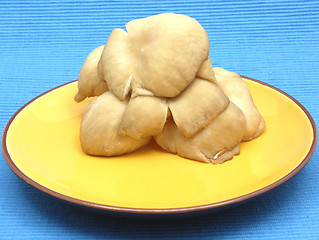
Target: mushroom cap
{"points": [[197, 106], [217, 142], [115, 65], [206, 72], [159, 55], [144, 116], [99, 128], [238, 92], [89, 82]]}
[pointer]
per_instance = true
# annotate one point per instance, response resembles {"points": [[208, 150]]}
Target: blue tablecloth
{"points": [[44, 43]]}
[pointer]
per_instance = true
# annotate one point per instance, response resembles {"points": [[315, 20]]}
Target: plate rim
{"points": [[158, 211]]}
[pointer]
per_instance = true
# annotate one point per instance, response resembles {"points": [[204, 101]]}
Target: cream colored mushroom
{"points": [[89, 82], [144, 116], [238, 92], [99, 128], [206, 72], [197, 106], [216, 143], [115, 65], [157, 56]]}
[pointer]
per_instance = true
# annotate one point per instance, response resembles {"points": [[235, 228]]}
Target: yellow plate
{"points": [[41, 145]]}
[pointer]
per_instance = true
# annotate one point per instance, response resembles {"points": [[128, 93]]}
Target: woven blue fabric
{"points": [[43, 44]]}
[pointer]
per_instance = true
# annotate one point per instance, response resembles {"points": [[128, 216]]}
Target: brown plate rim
{"points": [[163, 211]]}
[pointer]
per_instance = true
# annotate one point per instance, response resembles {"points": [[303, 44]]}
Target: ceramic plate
{"points": [[41, 145]]}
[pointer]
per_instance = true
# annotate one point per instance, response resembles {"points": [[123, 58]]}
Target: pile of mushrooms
{"points": [[155, 80]]}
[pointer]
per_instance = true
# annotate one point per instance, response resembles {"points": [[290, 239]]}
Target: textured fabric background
{"points": [[44, 43]]}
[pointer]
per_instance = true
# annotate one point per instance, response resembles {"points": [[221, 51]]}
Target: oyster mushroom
{"points": [[206, 72], [157, 56], [216, 143], [144, 116], [238, 92], [99, 128], [89, 82], [197, 105]]}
